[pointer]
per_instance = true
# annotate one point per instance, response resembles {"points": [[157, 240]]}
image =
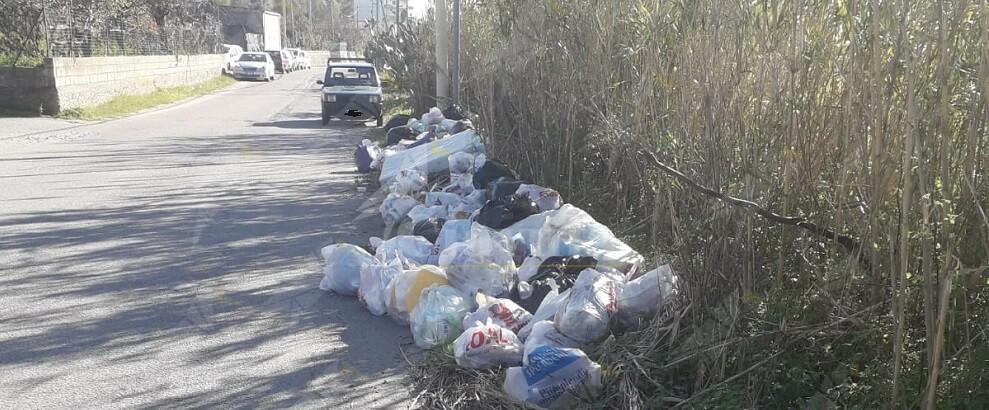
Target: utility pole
{"points": [[284, 25], [455, 55], [442, 30], [398, 12]]}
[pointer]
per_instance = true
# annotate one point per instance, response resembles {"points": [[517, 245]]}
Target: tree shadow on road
{"points": [[205, 287]]}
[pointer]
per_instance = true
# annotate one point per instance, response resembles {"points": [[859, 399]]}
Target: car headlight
{"points": [[374, 98]]}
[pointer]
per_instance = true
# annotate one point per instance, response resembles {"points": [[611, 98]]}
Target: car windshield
{"points": [[252, 57], [340, 75]]}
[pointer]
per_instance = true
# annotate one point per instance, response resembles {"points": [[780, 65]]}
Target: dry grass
{"points": [[868, 117]]}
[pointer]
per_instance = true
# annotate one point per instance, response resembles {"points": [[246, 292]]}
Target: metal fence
{"points": [[30, 29]]}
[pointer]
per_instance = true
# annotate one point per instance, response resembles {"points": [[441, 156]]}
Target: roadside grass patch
{"points": [[129, 104]]}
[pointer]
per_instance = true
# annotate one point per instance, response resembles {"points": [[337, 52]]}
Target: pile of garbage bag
{"points": [[503, 269]]}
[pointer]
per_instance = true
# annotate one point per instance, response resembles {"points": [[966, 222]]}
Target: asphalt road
{"points": [[170, 259]]}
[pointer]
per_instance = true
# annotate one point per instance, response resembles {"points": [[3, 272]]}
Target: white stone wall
{"points": [[89, 81]]}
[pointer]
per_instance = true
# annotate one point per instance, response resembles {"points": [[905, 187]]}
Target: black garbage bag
{"points": [[491, 171], [561, 270], [459, 127], [397, 134], [503, 188], [454, 112], [429, 228], [502, 213], [397, 121]]}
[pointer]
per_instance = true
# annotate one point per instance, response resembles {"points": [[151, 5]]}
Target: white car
{"points": [[301, 60], [230, 55], [254, 66]]}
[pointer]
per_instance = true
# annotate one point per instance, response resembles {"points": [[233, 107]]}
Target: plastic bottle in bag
{"points": [[373, 290], [585, 315], [544, 333], [487, 345], [502, 312], [406, 288], [436, 318], [342, 273], [555, 378]]}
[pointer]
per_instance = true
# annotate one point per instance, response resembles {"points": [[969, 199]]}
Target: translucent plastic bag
{"points": [[406, 288], [412, 248], [342, 273], [585, 315], [436, 318], [528, 229], [482, 263], [395, 207], [421, 213], [408, 182], [555, 378], [453, 231], [433, 117], [571, 231], [642, 297], [461, 163], [547, 309], [487, 345], [544, 333], [502, 312], [461, 184], [442, 198], [373, 291], [529, 267], [546, 199]]}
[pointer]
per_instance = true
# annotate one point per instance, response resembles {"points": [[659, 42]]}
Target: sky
{"points": [[417, 8]]}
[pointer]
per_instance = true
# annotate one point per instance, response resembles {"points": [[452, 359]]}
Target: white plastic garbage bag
{"points": [[546, 199], [544, 333], [528, 229], [406, 288], [421, 213], [487, 345], [408, 182], [461, 184], [482, 263], [585, 315], [433, 117], [502, 312], [547, 309], [373, 291], [461, 163], [479, 161], [412, 248], [342, 273], [555, 378], [430, 157], [571, 231], [395, 207], [447, 199], [436, 319], [453, 231], [642, 297]]}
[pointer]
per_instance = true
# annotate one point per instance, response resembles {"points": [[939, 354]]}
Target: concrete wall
{"points": [[28, 91], [93, 80]]}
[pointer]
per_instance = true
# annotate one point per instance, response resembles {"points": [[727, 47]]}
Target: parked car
{"points": [[301, 59], [282, 59], [351, 90], [254, 66], [231, 52]]}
